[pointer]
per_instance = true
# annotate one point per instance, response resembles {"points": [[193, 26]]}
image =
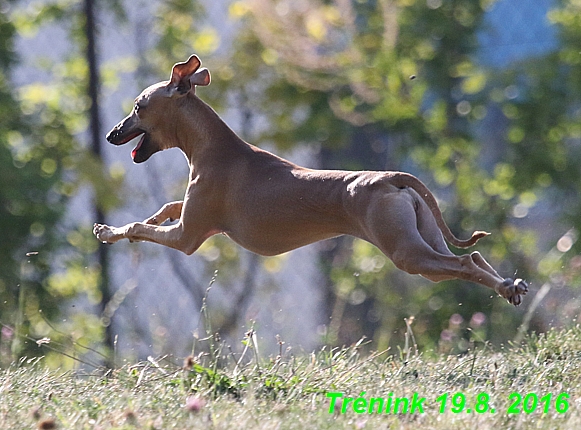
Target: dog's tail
{"points": [[401, 180]]}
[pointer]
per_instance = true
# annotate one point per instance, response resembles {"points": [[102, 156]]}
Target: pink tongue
{"points": [[137, 147]]}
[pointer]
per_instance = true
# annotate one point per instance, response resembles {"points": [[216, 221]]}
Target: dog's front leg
{"points": [[194, 227], [170, 211], [199, 218], [171, 236], [108, 234]]}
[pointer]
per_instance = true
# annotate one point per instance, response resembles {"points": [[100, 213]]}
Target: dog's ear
{"points": [[201, 77], [181, 74]]}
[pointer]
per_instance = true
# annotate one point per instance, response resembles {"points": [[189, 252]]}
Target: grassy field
{"points": [[537, 382]]}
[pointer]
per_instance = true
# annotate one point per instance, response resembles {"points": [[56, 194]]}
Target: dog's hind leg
{"points": [[432, 235], [393, 225]]}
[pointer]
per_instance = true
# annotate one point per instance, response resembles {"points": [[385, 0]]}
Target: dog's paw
{"points": [[154, 220], [158, 219], [105, 233], [514, 290]]}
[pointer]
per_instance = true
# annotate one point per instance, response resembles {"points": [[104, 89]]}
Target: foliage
{"points": [[374, 85], [35, 150], [291, 391], [359, 102], [43, 156], [544, 134]]}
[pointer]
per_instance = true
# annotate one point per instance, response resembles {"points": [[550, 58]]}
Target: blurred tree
{"points": [[539, 103], [35, 147], [59, 108], [393, 85], [375, 85]]}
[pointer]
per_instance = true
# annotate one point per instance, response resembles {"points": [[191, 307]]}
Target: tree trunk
{"points": [[95, 145]]}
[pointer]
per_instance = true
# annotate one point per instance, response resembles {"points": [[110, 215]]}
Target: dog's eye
{"points": [[136, 108]]}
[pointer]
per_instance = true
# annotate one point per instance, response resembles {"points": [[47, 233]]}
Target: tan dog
{"points": [[270, 205]]}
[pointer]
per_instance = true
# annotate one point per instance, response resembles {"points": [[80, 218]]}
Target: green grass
{"points": [[289, 392]]}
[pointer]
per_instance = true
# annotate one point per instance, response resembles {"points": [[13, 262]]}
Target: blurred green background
{"points": [[480, 99]]}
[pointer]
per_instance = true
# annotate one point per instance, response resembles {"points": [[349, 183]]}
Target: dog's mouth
{"points": [[118, 137], [145, 147], [139, 145], [135, 155], [138, 154]]}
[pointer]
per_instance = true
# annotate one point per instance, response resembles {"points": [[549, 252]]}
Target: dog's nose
{"points": [[112, 134]]}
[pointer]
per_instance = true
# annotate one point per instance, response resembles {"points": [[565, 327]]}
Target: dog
{"points": [[269, 205]]}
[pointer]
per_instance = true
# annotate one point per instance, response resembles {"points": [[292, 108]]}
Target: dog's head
{"points": [[155, 108]]}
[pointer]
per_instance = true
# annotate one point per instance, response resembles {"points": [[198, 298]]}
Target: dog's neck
{"points": [[203, 134]]}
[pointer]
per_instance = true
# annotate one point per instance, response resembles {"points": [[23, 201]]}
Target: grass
{"points": [[290, 392]]}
